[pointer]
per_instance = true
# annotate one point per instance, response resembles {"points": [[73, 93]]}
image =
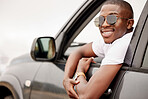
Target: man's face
{"points": [[112, 32]]}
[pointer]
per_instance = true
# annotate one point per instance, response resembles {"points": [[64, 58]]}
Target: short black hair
{"points": [[121, 3]]}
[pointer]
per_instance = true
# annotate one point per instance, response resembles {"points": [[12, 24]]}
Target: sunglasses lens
{"points": [[111, 19], [96, 21], [101, 20]]}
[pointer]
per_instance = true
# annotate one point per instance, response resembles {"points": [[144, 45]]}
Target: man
{"points": [[115, 22]]}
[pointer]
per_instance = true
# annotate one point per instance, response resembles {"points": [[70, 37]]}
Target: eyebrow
{"points": [[114, 13]]}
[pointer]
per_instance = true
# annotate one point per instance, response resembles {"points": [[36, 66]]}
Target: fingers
{"points": [[72, 94], [88, 60], [72, 81], [69, 87], [93, 61]]}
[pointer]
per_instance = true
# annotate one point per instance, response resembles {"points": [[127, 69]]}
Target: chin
{"points": [[107, 41]]}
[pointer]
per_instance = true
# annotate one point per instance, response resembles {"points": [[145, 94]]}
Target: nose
{"points": [[105, 24]]}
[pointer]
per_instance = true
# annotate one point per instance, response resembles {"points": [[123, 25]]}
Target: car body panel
{"points": [[20, 76], [10, 80], [131, 86], [48, 82], [43, 79]]}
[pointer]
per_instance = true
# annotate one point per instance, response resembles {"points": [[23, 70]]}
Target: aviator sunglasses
{"points": [[111, 20]]}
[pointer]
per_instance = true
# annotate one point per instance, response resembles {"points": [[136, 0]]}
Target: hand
{"points": [[84, 64], [69, 87]]}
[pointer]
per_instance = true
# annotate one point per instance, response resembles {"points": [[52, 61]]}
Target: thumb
{"points": [[89, 60], [72, 81]]}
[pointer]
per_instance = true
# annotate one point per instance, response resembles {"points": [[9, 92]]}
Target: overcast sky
{"points": [[23, 20]]}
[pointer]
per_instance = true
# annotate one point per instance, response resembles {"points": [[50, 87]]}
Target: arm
{"points": [[98, 83], [71, 66]]}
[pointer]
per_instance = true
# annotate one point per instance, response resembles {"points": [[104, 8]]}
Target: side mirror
{"points": [[43, 49]]}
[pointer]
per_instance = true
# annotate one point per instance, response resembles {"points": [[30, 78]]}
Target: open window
{"points": [[91, 32]]}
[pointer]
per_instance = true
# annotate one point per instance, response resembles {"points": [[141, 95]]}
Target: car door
{"points": [[48, 80], [114, 89], [134, 81], [47, 83]]}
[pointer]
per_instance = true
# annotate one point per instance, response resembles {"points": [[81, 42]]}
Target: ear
{"points": [[130, 23]]}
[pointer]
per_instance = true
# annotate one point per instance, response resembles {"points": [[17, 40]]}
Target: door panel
{"points": [[133, 86], [48, 83], [135, 81]]}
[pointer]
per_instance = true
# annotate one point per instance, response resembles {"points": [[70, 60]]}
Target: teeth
{"points": [[107, 34]]}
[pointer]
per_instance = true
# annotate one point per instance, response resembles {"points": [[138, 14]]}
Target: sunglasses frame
{"points": [[98, 24]]}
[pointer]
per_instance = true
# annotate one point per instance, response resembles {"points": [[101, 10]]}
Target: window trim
{"points": [[136, 47], [145, 57], [142, 45]]}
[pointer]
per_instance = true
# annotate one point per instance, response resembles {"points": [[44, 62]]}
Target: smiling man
{"points": [[115, 24]]}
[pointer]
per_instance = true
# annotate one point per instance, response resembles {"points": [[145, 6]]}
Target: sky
{"points": [[23, 20]]}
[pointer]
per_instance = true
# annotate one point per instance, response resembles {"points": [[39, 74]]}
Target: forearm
{"points": [[87, 90], [71, 64], [99, 82], [81, 86], [74, 58]]}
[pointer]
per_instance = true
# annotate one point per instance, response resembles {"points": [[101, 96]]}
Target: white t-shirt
{"points": [[112, 53]]}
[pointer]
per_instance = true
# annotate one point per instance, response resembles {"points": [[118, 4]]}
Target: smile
{"points": [[107, 32]]}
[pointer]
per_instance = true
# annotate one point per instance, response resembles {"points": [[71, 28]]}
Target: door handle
{"points": [[108, 92]]}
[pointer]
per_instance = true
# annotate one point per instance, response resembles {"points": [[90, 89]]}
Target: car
{"points": [[39, 75]]}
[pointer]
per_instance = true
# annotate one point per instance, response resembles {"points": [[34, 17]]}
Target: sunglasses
{"points": [[111, 20]]}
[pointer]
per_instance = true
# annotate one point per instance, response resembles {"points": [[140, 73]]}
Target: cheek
{"points": [[121, 28]]}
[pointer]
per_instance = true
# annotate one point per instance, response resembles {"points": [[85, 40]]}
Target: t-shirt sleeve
{"points": [[117, 52], [97, 46]]}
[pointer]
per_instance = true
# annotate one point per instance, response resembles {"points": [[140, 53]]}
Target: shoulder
{"points": [[126, 38], [116, 53], [122, 42], [97, 47]]}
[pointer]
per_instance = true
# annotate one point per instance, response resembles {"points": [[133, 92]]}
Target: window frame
{"points": [[141, 40], [144, 65]]}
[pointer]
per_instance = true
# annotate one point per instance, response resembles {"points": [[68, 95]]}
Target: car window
{"points": [[91, 32], [86, 34]]}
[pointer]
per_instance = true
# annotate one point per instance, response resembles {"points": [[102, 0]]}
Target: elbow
{"points": [[87, 96], [84, 96], [82, 93]]}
